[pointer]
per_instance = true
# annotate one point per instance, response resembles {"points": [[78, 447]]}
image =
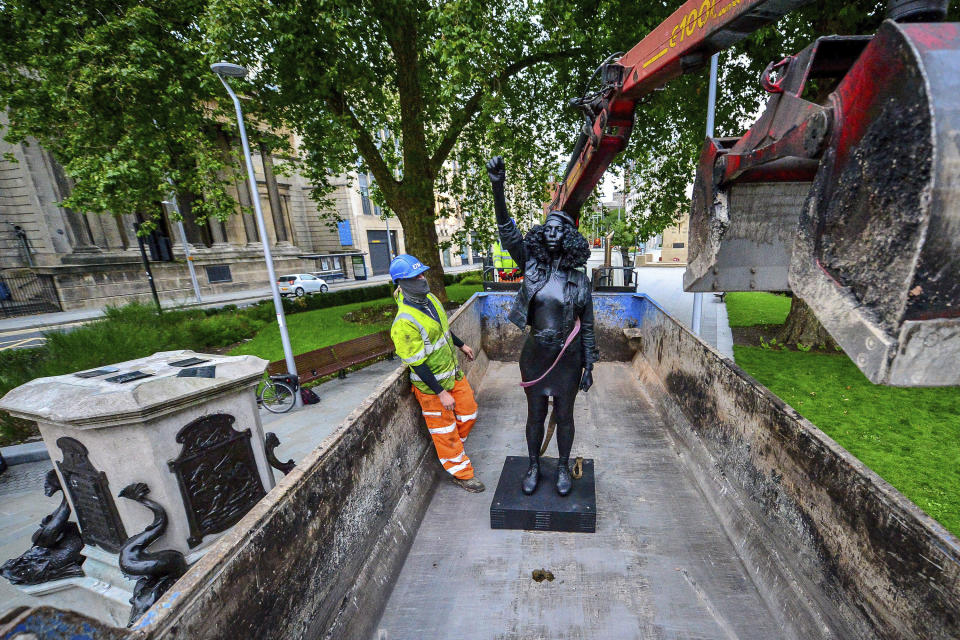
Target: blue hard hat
{"points": [[406, 266]]}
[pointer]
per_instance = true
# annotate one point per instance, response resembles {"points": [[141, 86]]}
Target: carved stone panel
{"points": [[217, 475], [89, 489]]}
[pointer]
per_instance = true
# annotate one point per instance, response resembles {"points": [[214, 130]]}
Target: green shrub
{"points": [[471, 278], [17, 365], [454, 278], [337, 298], [125, 333], [263, 311], [218, 331], [16, 430]]}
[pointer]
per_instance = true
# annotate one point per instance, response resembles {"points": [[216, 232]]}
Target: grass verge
{"points": [[747, 309], [323, 327], [910, 437]]}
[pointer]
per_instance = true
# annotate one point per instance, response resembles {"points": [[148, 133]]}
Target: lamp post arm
{"points": [[267, 255]]}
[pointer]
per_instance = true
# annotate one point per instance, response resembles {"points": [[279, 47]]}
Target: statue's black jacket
{"points": [[577, 299]]}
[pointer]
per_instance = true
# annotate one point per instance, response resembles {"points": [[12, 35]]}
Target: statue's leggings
{"points": [[537, 407]]}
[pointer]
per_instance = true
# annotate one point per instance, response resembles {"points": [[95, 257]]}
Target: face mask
{"points": [[414, 287]]}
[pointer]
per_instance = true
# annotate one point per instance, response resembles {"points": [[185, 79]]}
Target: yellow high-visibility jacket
{"points": [[502, 259], [419, 338]]}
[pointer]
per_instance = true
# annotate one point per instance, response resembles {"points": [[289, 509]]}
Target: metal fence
{"points": [[614, 279], [24, 294]]}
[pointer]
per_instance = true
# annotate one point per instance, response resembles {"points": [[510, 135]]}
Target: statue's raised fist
{"points": [[496, 169]]}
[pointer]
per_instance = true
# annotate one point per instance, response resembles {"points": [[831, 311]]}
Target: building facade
{"points": [[93, 260], [54, 258], [379, 239], [455, 255], [676, 242]]}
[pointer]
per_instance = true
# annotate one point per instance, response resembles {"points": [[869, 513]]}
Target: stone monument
{"points": [[181, 426]]}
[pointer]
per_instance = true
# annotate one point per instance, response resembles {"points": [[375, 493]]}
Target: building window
{"points": [[364, 183], [219, 273], [678, 245]]}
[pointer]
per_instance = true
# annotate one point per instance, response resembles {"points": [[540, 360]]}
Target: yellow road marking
{"points": [[654, 58], [52, 327], [20, 343]]}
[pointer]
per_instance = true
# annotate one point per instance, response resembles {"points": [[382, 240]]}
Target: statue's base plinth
{"points": [[545, 510]]}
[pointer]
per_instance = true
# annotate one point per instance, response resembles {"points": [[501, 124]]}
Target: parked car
{"points": [[299, 284]]}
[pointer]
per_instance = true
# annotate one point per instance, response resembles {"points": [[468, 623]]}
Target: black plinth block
{"points": [[545, 510]]}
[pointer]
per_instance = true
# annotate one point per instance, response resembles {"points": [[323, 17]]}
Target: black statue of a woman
{"points": [[554, 299]]}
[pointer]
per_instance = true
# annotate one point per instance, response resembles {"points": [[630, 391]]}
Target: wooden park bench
{"points": [[336, 358], [364, 348]]}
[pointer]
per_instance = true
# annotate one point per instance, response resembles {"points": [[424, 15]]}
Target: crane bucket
{"points": [[850, 198], [877, 253], [748, 191]]}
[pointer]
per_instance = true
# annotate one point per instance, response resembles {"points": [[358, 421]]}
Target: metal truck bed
{"points": [[660, 564]]}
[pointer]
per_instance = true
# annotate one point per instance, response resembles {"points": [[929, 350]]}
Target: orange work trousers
{"points": [[449, 429]]}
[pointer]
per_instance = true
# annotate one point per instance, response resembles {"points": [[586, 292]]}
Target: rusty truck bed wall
{"points": [[832, 544], [806, 515]]}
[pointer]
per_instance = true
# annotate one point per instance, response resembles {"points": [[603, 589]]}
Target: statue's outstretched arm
{"points": [[510, 238]]}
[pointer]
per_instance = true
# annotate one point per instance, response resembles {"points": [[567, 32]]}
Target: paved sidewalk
{"points": [[247, 296], [665, 286], [23, 505], [301, 430]]}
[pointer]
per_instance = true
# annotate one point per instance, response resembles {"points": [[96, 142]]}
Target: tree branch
{"points": [[400, 28], [465, 114], [365, 144]]}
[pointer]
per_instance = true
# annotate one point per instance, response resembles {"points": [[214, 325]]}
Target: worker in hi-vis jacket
{"points": [[425, 343]]}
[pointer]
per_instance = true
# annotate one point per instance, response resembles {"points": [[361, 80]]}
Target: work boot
{"points": [[564, 481], [473, 485], [532, 476]]}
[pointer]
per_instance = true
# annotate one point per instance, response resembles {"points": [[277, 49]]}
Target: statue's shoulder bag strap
{"points": [[573, 334]]}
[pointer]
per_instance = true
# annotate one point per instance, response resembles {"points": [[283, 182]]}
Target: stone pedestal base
{"points": [[545, 510], [87, 595], [103, 593]]}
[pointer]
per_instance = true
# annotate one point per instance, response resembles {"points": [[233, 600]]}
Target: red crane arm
{"points": [[682, 43]]}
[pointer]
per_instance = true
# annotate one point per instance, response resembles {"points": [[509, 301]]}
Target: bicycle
{"points": [[278, 394]]}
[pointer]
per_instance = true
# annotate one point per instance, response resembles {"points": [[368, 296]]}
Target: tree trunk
{"points": [[415, 213], [802, 327]]}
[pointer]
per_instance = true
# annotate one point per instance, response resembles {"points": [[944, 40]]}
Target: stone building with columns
{"points": [[76, 259]]}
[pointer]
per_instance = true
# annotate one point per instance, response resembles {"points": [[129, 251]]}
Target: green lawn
{"points": [[311, 330], [746, 309], [910, 437]]}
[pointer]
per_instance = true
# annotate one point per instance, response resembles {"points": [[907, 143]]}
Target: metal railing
{"points": [[614, 279], [25, 294], [492, 282]]}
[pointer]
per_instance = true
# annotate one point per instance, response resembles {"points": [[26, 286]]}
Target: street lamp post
{"points": [[711, 108], [226, 70], [146, 267], [172, 202]]}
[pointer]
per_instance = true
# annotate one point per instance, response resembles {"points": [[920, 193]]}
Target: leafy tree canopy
{"points": [[424, 92], [122, 95], [420, 93]]}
